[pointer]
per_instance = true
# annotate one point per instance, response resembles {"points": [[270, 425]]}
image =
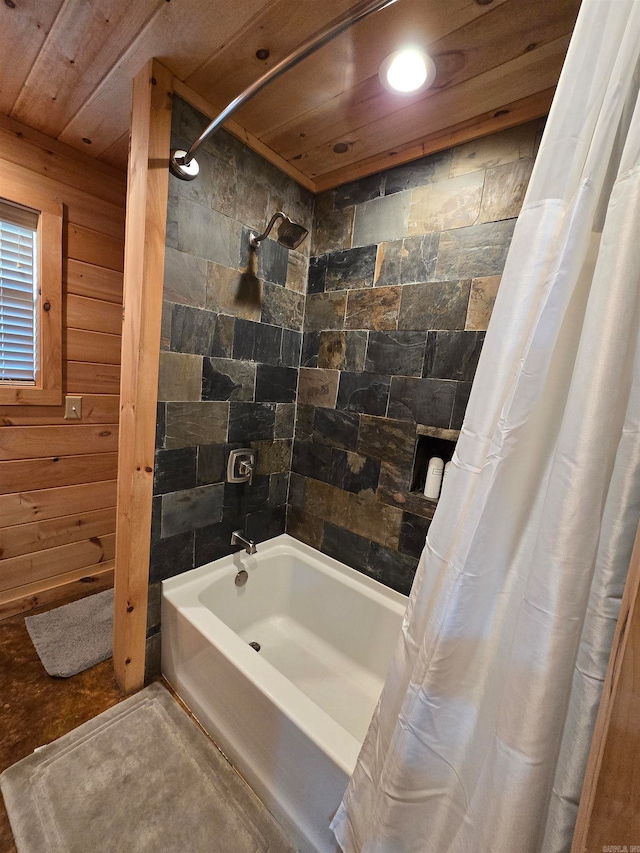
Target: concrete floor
{"points": [[36, 709]]}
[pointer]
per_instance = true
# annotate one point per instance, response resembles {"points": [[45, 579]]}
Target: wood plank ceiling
{"points": [[68, 66]]}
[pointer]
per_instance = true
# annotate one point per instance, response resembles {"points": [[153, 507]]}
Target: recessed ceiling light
{"points": [[407, 71]]}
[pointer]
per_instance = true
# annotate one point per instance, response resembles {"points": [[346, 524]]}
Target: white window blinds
{"points": [[18, 288]]}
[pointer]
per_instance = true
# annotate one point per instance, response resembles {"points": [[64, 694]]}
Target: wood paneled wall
{"points": [[57, 476]]}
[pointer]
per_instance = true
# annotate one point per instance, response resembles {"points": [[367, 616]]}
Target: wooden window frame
{"points": [[47, 389]]}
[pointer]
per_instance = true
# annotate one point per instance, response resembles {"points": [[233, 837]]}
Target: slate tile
{"points": [[304, 421], [359, 191], [242, 498], [227, 379], [388, 263], [351, 268], [454, 356], [413, 533], [474, 252], [205, 233], [408, 176], [312, 460], [251, 421], [272, 457], [387, 439], [296, 490], [336, 428], [191, 508], [392, 568], [342, 350], [231, 292], [463, 390], [394, 488], [434, 305], [310, 349], [174, 469], [317, 273], [396, 353], [318, 387], [214, 541], [161, 422], [450, 203], [285, 420], [304, 527], [154, 604], [278, 487], [212, 464], [290, 348], [325, 311], [345, 546], [257, 342], [332, 231], [407, 261], [190, 424], [275, 384], [198, 331], [481, 301], [505, 146], [381, 219], [251, 204], [375, 308], [272, 258], [171, 556], [266, 524], [355, 473], [282, 307], [363, 392], [297, 272], [179, 376], [165, 325], [504, 190], [185, 278], [425, 401]]}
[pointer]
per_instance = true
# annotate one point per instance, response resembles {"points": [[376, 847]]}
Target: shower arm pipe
{"points": [[256, 239], [181, 161]]}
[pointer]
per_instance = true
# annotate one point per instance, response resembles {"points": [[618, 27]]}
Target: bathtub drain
{"points": [[255, 646]]}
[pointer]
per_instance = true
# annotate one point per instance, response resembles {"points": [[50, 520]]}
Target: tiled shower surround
{"points": [[357, 351]]}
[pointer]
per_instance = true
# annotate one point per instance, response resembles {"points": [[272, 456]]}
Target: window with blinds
{"points": [[18, 290]]}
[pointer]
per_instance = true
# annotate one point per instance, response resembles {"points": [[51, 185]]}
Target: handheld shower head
{"points": [[290, 234]]}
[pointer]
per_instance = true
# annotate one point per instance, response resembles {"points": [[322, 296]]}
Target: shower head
{"points": [[290, 234]]}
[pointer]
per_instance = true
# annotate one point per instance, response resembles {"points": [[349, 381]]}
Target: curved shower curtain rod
{"points": [[182, 163]]}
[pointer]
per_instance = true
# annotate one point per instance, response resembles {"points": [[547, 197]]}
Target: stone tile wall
{"points": [[404, 271], [230, 356]]}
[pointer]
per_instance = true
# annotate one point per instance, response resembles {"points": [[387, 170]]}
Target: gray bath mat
{"points": [[72, 638], [140, 777]]}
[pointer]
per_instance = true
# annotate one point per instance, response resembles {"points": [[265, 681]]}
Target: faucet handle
{"points": [[240, 465], [245, 470]]}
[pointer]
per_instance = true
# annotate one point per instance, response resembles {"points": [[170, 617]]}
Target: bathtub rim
{"points": [[318, 725]]}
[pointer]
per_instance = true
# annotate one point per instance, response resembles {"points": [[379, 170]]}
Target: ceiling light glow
{"points": [[407, 71]]}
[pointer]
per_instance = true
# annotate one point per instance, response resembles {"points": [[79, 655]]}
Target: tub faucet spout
{"points": [[238, 538]]}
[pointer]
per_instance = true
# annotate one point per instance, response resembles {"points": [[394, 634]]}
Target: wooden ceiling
{"points": [[68, 66]]}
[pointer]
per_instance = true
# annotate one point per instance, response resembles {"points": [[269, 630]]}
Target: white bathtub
{"points": [[291, 717]]}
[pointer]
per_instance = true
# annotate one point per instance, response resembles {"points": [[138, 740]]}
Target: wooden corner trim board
{"points": [[146, 215]]}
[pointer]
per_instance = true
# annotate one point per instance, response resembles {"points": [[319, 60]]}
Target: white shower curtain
{"points": [[479, 742]]}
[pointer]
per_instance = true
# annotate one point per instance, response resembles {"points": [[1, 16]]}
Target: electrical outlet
{"points": [[73, 408]]}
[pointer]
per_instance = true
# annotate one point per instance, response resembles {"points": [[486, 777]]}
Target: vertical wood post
{"points": [[146, 218], [609, 813]]}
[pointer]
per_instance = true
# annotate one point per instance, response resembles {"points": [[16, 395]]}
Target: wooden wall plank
{"points": [[520, 112], [94, 282], [92, 247], [85, 41], [58, 161], [39, 565], [83, 581], [24, 28], [50, 533], [37, 505], [35, 442], [85, 377], [96, 347], [147, 192], [96, 409], [50, 472], [94, 315]]}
